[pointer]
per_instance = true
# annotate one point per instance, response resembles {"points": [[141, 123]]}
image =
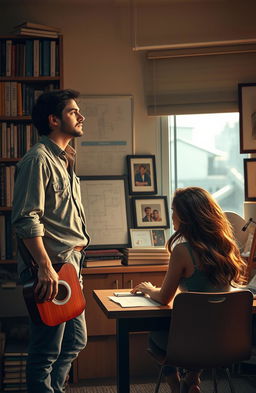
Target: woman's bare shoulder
{"points": [[180, 248]]}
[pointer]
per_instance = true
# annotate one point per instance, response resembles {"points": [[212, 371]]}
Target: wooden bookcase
{"points": [[28, 66]]}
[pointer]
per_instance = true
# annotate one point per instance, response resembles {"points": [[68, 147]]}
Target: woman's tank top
{"points": [[198, 281]]}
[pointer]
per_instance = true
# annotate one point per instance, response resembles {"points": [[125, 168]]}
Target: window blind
{"points": [[197, 80]]}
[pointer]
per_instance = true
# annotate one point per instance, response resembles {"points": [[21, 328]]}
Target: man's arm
{"points": [[47, 286]]}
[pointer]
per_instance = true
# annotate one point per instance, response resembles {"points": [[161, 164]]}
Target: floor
{"points": [[244, 383]]}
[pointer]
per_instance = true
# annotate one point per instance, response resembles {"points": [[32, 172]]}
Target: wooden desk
{"points": [[137, 319]]}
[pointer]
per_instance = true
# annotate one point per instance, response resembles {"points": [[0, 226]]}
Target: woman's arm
{"points": [[175, 272]]}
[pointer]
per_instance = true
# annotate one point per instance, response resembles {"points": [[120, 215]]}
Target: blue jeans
{"points": [[51, 352], [52, 349]]}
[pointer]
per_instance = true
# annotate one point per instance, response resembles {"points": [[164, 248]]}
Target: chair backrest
{"points": [[237, 223], [210, 329]]}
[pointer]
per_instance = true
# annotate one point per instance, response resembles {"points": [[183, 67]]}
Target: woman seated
{"points": [[204, 258]]}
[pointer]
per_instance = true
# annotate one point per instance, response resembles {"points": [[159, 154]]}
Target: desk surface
{"points": [[115, 311]]}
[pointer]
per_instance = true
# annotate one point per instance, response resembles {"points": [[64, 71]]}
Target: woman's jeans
{"points": [[52, 349]]}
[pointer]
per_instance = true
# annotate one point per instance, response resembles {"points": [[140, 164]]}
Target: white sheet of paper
{"points": [[134, 301]]}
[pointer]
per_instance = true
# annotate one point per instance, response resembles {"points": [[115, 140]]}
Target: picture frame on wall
{"points": [[150, 212], [106, 205], [147, 238], [249, 179], [247, 118], [142, 174]]}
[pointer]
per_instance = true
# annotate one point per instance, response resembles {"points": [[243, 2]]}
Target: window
{"points": [[204, 151]]}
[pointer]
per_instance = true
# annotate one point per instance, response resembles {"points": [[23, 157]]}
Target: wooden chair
{"points": [[208, 330]]}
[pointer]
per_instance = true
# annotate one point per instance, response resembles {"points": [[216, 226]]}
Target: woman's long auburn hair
{"points": [[205, 227]]}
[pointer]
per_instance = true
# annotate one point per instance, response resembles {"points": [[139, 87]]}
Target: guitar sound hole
{"points": [[62, 293]]}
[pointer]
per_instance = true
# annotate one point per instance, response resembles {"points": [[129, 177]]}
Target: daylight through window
{"points": [[204, 152]]}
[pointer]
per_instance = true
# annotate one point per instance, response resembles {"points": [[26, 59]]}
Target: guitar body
{"points": [[68, 304]]}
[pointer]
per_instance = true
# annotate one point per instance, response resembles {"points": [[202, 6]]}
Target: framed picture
{"points": [[105, 201], [247, 111], [109, 135], [151, 212], [142, 174], [147, 238], [250, 179]]}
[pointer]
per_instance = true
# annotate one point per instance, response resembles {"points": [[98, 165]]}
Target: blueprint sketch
{"points": [[108, 135], [104, 202]]}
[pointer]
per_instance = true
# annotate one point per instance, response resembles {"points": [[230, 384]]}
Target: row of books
{"points": [[100, 258], [8, 242], [146, 256], [14, 363], [128, 256], [6, 184], [16, 139], [31, 57], [17, 99]]}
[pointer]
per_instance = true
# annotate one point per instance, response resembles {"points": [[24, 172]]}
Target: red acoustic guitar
{"points": [[68, 303]]}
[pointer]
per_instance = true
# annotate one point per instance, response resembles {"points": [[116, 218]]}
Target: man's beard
{"points": [[74, 132]]}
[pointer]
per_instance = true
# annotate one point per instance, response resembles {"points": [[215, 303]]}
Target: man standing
{"points": [[50, 223]]}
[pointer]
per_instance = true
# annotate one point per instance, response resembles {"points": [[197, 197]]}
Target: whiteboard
{"points": [[108, 135]]}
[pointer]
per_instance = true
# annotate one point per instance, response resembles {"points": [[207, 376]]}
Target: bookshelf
{"points": [[29, 65]]}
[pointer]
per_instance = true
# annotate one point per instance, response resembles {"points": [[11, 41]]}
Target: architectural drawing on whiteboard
{"points": [[105, 206], [108, 135]]}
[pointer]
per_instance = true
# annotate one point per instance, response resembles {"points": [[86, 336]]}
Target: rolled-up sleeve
{"points": [[31, 180]]}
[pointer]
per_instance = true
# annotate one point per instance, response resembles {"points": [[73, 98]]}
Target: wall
{"points": [[98, 40], [98, 58]]}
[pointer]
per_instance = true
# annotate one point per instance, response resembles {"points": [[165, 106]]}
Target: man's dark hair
{"points": [[50, 103]]}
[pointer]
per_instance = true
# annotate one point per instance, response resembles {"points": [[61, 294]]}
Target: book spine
{"points": [[2, 237], [13, 98], [8, 69], [3, 58], [8, 240], [29, 57], [45, 61], [7, 97], [36, 58], [53, 58]]}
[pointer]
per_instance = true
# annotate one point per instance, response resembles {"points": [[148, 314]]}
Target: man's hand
{"points": [[47, 286]]}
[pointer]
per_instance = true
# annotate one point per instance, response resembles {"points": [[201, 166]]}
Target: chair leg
{"points": [[214, 378], [159, 379], [231, 385]]}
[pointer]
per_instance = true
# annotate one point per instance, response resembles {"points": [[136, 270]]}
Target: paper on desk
{"points": [[134, 301]]}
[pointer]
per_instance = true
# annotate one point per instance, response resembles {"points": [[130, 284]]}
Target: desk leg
{"points": [[123, 371]]}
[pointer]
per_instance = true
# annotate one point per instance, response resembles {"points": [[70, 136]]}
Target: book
{"points": [[45, 58], [2, 237], [8, 70], [145, 250], [7, 97], [103, 262], [37, 26], [35, 32], [103, 253], [13, 98], [145, 261], [29, 57], [36, 57], [53, 58]]}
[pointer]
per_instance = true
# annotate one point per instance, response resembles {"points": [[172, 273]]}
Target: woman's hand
{"points": [[144, 287]]}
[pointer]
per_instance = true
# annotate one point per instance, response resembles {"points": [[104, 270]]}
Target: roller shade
{"points": [[203, 80]]}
